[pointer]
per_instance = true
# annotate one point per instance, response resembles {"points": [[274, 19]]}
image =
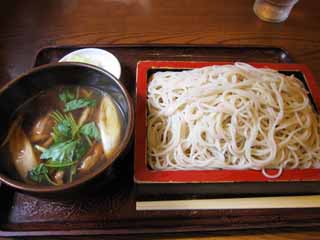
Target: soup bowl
{"points": [[17, 92]]}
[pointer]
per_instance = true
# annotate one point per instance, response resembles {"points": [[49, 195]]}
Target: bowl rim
{"points": [[123, 145]]}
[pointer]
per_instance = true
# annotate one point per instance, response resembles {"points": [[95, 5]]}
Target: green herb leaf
{"points": [[37, 174], [66, 127], [65, 152], [90, 130], [81, 149], [73, 172], [79, 103], [52, 164], [40, 174], [67, 96], [60, 152]]}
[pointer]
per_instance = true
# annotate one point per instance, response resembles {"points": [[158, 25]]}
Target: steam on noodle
{"points": [[231, 117]]}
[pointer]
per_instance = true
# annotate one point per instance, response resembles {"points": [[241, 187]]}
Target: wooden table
{"points": [[30, 25]]}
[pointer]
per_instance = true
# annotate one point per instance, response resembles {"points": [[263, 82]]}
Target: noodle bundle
{"points": [[231, 117]]}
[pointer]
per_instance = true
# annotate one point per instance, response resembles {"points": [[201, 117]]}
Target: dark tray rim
{"points": [[153, 230], [148, 45]]}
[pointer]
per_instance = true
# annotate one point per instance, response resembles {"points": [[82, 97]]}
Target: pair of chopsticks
{"points": [[310, 201]]}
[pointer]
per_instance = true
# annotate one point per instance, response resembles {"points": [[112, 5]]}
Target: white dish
{"points": [[97, 57]]}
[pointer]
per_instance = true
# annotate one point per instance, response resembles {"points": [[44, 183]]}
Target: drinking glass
{"points": [[273, 10]]}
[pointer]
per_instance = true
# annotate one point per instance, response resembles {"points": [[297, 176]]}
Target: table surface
{"points": [[30, 25]]}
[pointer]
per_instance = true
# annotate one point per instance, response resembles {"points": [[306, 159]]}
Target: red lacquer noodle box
{"points": [[143, 174]]}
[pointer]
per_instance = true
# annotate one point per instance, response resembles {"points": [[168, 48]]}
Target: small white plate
{"points": [[97, 57]]}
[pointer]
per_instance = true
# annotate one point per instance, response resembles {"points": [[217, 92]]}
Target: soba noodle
{"points": [[231, 117]]}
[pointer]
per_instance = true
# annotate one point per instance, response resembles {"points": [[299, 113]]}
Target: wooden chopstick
{"points": [[310, 201]]}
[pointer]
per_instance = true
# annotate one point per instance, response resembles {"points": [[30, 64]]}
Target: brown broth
{"points": [[37, 112]]}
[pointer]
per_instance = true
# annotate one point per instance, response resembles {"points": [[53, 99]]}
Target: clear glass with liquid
{"points": [[273, 10]]}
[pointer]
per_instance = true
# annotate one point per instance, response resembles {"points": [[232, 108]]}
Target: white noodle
{"points": [[231, 117]]}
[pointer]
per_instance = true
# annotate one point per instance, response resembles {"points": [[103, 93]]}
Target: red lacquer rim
{"points": [[145, 175]]}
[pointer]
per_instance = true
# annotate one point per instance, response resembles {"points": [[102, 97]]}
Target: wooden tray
{"points": [[112, 210]]}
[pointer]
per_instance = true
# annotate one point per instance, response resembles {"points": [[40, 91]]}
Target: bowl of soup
{"points": [[62, 125]]}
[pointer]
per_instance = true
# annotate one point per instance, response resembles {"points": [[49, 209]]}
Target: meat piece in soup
{"points": [[78, 130]]}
